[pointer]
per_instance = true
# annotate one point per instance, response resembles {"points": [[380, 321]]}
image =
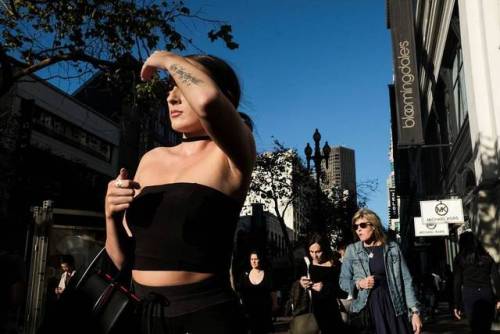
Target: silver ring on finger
{"points": [[118, 183]]}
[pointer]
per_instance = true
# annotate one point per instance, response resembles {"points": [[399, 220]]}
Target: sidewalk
{"points": [[442, 323]]}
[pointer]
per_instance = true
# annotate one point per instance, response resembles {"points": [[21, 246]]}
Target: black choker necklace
{"points": [[195, 138]]}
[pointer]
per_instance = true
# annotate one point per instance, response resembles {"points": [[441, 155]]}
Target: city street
{"points": [[441, 324], [165, 158]]}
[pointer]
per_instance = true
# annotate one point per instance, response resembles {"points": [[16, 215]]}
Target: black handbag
{"points": [[105, 305], [361, 322], [304, 322]]}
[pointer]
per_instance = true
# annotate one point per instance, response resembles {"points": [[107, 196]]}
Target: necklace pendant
{"points": [[370, 255]]}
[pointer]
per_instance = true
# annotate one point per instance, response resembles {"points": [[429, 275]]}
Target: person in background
{"points": [[474, 272], [323, 283], [374, 272], [68, 275], [258, 297], [448, 288], [346, 302]]}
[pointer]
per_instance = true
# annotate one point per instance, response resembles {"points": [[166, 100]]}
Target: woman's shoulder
{"points": [[354, 246], [154, 155]]}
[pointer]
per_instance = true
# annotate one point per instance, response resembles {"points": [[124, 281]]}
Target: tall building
{"points": [[341, 171], [445, 117]]}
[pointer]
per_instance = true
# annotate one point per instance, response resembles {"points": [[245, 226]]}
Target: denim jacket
{"points": [[355, 267]]}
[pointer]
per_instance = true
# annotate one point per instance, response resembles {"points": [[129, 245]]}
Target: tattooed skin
{"points": [[186, 77]]}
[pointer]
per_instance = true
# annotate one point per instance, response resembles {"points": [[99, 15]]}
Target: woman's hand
{"points": [[119, 194], [317, 286], [366, 283], [156, 61], [457, 313], [416, 323], [305, 282], [498, 306]]}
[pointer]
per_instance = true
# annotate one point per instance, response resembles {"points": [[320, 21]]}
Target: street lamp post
{"points": [[317, 158]]}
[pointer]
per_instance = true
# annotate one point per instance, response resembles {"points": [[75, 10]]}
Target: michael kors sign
{"points": [[449, 211]]}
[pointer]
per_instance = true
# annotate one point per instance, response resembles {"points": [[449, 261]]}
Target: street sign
{"points": [[429, 230], [446, 211]]}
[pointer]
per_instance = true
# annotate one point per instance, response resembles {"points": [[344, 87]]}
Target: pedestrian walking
{"points": [[345, 303], [448, 288], [323, 284], [374, 272], [474, 271], [183, 204], [67, 280], [257, 295]]}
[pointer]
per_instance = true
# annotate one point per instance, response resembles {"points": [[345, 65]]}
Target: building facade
{"points": [[341, 171], [143, 125], [52, 147], [449, 98]]}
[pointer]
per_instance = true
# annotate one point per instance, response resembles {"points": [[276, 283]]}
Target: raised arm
{"points": [[217, 114]]}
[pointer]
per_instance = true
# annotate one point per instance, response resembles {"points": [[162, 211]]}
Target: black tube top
{"points": [[183, 227]]}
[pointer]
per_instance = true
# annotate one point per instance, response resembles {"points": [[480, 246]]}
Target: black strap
{"points": [[126, 268]]}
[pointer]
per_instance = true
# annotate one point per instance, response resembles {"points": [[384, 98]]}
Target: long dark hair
{"points": [[223, 75], [323, 243], [227, 80], [471, 250]]}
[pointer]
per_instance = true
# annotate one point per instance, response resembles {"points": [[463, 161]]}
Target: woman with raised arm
{"points": [[374, 272], [183, 204]]}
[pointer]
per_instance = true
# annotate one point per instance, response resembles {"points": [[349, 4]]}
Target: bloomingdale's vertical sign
{"points": [[406, 86]]}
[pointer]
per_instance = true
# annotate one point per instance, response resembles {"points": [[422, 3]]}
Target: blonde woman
{"points": [[374, 272]]}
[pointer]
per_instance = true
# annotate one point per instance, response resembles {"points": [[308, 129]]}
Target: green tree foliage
{"points": [[279, 181], [91, 34]]}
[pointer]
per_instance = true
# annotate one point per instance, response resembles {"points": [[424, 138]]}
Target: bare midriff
{"points": [[167, 278]]}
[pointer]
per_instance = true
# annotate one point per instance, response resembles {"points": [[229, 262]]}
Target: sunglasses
{"points": [[362, 225]]}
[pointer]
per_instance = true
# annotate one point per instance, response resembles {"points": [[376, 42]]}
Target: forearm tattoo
{"points": [[185, 77]]}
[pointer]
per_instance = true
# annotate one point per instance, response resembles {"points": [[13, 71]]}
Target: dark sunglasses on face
{"points": [[362, 225]]}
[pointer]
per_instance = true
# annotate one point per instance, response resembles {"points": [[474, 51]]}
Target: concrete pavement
{"points": [[442, 323]]}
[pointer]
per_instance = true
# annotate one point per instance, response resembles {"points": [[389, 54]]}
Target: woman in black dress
{"points": [[474, 272], [323, 283], [257, 296]]}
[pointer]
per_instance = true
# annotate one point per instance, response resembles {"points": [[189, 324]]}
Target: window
{"points": [[459, 94]]}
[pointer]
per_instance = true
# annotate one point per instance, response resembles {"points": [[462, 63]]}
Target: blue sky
{"points": [[307, 64]]}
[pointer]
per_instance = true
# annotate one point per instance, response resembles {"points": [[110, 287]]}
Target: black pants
{"points": [[327, 315], [206, 307], [479, 307], [222, 318]]}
